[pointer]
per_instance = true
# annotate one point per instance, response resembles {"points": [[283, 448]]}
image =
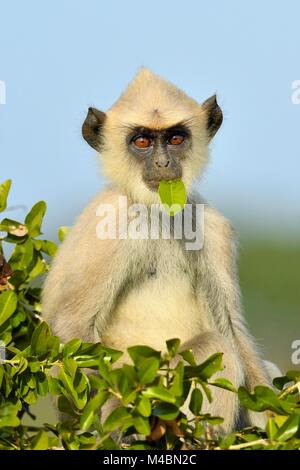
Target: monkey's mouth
{"points": [[152, 184]]}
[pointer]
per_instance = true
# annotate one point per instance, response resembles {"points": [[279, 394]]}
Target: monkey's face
{"points": [[154, 132], [159, 153]]}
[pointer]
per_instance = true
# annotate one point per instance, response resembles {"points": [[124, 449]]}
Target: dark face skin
{"points": [[160, 152]]}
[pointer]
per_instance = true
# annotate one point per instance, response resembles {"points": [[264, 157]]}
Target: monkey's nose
{"points": [[162, 164]]}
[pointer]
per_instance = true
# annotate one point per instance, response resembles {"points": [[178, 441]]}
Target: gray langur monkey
{"points": [[124, 292]]}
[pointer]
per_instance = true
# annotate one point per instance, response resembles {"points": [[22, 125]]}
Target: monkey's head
{"points": [[153, 132]]}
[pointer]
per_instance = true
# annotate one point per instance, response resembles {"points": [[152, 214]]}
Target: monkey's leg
{"points": [[225, 403]]}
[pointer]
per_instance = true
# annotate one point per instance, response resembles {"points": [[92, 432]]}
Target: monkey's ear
{"points": [[214, 115], [92, 126]]}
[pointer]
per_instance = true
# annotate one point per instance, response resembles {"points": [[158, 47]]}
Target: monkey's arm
{"points": [[86, 277], [219, 284], [218, 279]]}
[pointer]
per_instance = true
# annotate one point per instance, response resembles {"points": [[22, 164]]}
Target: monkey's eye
{"points": [[176, 139], [142, 142]]}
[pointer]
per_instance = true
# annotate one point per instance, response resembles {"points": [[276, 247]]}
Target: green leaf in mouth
{"points": [[172, 195]]}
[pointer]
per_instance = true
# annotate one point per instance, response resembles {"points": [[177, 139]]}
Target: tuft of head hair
{"points": [[153, 102]]}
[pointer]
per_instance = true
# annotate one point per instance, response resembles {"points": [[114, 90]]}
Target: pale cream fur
{"points": [[105, 289]]}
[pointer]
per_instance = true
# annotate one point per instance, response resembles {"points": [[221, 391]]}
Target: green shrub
{"points": [[150, 390]]}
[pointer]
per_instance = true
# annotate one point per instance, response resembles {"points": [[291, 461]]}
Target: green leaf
{"points": [[289, 428], [199, 429], [64, 405], [177, 384], [39, 268], [34, 218], [206, 390], [18, 317], [40, 441], [227, 441], [81, 382], [214, 419], [9, 410], [196, 401], [166, 411], [42, 384], [12, 421], [173, 346], [13, 227], [55, 388], [271, 428], [147, 370], [249, 400], [109, 444], [30, 397], [71, 347], [111, 355], [91, 362], [39, 339], [280, 382], [188, 356], [144, 406], [4, 190], [34, 365], [104, 371], [224, 383], [87, 441], [263, 398], [21, 256], [160, 393], [70, 366], [130, 373], [269, 398], [140, 446], [205, 370], [68, 385], [118, 418], [43, 342], [142, 425], [173, 196], [209, 367], [186, 387], [47, 247], [91, 408], [8, 415], [23, 363], [97, 383], [62, 233], [293, 375], [8, 304], [137, 352], [120, 380]]}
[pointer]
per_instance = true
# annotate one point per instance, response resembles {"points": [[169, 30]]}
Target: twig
{"points": [[263, 442], [289, 390]]}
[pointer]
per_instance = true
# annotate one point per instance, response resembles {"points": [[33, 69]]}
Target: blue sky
{"points": [[59, 57]]}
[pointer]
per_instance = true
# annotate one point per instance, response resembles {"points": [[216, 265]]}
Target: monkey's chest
{"points": [[160, 308]]}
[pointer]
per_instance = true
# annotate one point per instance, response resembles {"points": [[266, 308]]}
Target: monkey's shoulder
{"points": [[215, 221]]}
